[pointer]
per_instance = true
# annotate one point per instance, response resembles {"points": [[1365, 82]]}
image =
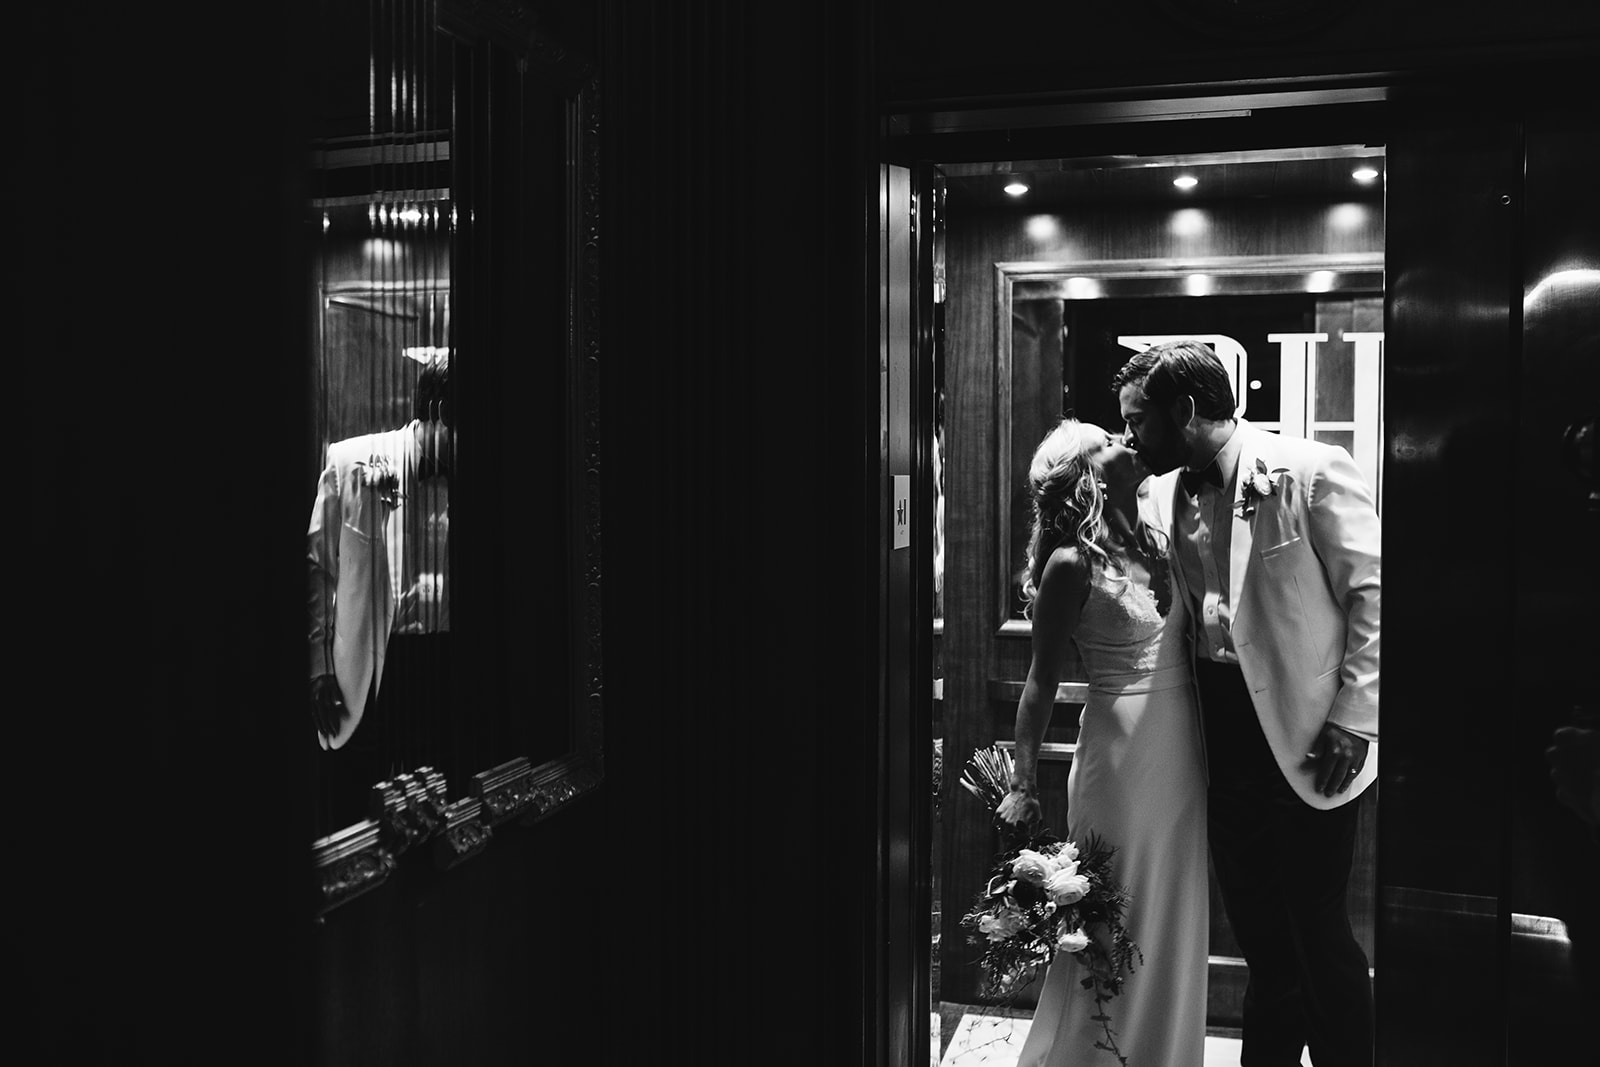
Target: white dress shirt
{"points": [[1205, 538]]}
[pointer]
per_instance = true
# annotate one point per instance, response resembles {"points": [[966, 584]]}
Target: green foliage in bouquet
{"points": [[1044, 896]]}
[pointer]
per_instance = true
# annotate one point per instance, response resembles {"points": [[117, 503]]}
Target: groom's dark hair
{"points": [[1176, 369], [430, 398]]}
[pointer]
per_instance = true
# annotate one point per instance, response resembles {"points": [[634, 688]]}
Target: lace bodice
{"points": [[1122, 633]]}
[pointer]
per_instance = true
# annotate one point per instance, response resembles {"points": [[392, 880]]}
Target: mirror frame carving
{"points": [[1266, 270], [416, 817]]}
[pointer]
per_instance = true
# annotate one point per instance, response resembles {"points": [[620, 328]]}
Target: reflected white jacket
{"points": [[352, 600], [1304, 583]]}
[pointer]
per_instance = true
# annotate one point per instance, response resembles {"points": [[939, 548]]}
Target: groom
{"points": [[1276, 548], [378, 616]]}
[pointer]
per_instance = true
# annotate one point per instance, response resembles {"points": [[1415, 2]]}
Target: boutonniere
{"points": [[377, 473], [1258, 485]]}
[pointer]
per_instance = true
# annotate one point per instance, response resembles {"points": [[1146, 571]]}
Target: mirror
{"points": [[453, 628]]}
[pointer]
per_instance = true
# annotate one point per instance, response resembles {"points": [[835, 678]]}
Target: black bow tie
{"points": [[1193, 480]]}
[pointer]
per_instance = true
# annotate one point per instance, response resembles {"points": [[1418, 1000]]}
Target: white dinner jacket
{"points": [[360, 570], [1303, 581]]}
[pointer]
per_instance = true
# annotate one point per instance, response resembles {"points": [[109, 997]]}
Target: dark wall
{"points": [[716, 893], [740, 623], [951, 49], [160, 406]]}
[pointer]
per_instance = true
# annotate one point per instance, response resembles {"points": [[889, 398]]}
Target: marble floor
{"points": [[984, 1039]]}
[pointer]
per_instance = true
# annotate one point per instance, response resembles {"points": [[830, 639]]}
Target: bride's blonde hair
{"points": [[1068, 502]]}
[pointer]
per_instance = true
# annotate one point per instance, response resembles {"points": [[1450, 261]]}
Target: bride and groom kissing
{"points": [[1221, 585]]}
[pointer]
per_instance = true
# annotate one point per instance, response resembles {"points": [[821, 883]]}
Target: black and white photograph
{"points": [[855, 534]]}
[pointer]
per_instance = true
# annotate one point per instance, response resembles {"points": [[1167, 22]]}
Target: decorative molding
{"points": [[409, 808], [504, 791], [557, 784], [553, 785], [588, 729], [463, 834], [349, 863], [518, 790]]}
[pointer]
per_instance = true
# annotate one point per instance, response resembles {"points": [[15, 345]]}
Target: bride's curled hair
{"points": [[1068, 502]]}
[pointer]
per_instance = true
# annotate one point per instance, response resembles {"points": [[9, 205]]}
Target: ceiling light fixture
{"points": [[1364, 174], [1185, 181], [1016, 188]]}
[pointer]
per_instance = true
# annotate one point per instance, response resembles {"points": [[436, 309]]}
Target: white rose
{"points": [[1261, 484], [1067, 886], [1002, 924], [1076, 941], [1065, 852], [1031, 867]]}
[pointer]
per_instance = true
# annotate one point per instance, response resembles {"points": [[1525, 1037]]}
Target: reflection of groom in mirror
{"points": [[1276, 544], [379, 608]]}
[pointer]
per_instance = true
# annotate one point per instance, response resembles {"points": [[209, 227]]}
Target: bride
{"points": [[1098, 575]]}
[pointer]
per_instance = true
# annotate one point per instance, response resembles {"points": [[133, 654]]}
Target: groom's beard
{"points": [[1166, 453]]}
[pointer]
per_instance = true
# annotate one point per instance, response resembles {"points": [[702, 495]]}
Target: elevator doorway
{"points": [[1056, 272], [1484, 293]]}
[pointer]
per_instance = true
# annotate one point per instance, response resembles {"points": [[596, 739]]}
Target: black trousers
{"points": [[1282, 868]]}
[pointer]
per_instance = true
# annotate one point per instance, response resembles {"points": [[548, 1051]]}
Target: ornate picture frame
{"points": [[414, 819]]}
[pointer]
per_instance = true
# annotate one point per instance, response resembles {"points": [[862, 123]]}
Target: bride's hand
{"points": [[1019, 808]]}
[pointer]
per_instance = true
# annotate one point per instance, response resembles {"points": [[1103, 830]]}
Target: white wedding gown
{"points": [[1137, 780]]}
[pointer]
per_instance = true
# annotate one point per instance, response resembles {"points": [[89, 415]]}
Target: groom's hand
{"points": [[328, 711], [1338, 757]]}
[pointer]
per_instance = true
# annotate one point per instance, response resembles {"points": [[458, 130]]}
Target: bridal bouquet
{"points": [[1045, 895]]}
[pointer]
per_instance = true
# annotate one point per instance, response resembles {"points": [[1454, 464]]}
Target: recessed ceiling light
{"points": [[1185, 181], [1364, 174], [1016, 188]]}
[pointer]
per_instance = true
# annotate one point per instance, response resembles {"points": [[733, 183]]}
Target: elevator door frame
{"points": [[1441, 905]]}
